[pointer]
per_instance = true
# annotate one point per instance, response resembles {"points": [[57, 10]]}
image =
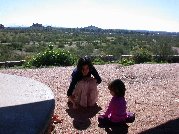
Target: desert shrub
{"points": [[141, 55], [50, 57], [163, 52], [98, 61], [127, 62]]}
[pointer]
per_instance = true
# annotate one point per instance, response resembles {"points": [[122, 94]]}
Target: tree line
{"points": [[23, 43]]}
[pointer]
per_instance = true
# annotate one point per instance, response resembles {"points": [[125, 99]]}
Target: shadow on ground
{"points": [[82, 116], [117, 130], [170, 127]]}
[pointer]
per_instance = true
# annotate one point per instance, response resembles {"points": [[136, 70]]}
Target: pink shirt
{"points": [[117, 109]]}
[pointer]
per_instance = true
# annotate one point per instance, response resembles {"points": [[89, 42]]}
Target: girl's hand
{"points": [[101, 116], [96, 81], [72, 98]]}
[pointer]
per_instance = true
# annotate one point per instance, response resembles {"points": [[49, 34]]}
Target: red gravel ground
{"points": [[152, 93]]}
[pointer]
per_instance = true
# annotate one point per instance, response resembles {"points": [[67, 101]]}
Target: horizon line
{"points": [[26, 26]]}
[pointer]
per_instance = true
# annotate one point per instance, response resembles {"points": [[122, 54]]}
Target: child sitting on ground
{"points": [[116, 113]]}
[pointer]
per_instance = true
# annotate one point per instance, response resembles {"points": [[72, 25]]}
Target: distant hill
{"points": [[90, 29]]}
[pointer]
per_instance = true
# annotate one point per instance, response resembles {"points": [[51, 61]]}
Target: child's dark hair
{"points": [[84, 61], [118, 87]]}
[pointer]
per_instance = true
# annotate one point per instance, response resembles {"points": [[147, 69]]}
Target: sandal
{"points": [[56, 119]]}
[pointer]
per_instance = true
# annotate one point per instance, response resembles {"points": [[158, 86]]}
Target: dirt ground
{"points": [[152, 94]]}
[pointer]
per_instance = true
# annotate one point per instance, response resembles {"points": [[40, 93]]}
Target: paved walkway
{"points": [[26, 105]]}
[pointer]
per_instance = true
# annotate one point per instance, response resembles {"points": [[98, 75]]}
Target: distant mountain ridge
{"points": [[89, 29], [92, 27]]}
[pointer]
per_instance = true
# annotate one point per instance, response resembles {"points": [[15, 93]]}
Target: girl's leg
{"points": [[80, 93], [130, 117], [104, 122], [72, 100], [92, 92], [86, 93]]}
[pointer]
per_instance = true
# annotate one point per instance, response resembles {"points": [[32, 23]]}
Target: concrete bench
{"points": [[26, 105]]}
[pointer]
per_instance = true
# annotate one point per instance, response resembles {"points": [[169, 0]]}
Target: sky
{"points": [[153, 15]]}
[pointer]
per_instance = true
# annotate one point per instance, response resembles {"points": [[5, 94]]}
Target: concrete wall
{"points": [[170, 58], [106, 58], [7, 64]]}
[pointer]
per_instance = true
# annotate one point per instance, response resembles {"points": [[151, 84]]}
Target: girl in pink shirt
{"points": [[116, 113]]}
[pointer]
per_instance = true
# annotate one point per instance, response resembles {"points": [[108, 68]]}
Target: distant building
{"points": [[1, 26], [48, 27], [91, 28], [37, 25]]}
